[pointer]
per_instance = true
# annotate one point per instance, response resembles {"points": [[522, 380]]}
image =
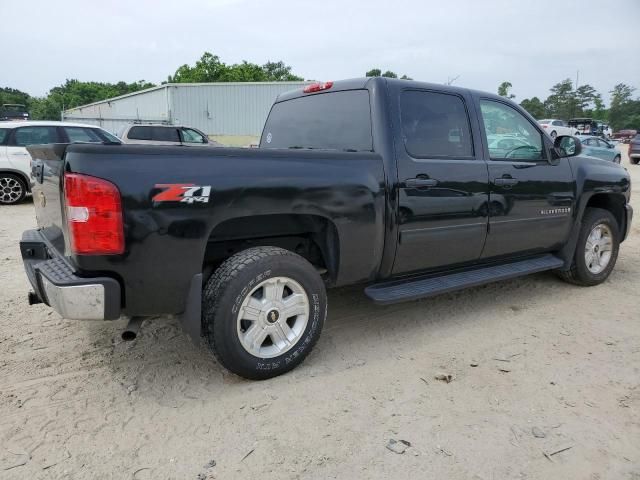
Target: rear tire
{"points": [[13, 189], [262, 311], [596, 250], [634, 160]]}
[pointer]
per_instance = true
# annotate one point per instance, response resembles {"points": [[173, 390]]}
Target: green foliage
{"points": [[624, 111], [74, 93], [534, 106], [562, 102], [11, 95], [503, 90], [376, 72], [210, 69]]}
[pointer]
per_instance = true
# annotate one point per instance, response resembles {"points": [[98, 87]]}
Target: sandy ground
{"points": [[563, 361]]}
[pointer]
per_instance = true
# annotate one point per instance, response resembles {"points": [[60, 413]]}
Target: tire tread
{"points": [[214, 291]]}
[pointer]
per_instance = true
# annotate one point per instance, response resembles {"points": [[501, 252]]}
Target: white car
{"points": [[555, 127], [15, 161]]}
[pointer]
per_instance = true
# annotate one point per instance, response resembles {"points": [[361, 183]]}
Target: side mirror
{"points": [[567, 146]]}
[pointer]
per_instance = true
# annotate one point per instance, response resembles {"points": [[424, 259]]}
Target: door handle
{"points": [[420, 182], [505, 181]]}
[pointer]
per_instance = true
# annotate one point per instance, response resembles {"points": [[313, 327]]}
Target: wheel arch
{"points": [[613, 202], [19, 173], [313, 237], [610, 201]]}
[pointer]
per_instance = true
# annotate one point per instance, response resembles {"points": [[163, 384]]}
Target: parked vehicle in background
{"points": [[584, 126], [394, 184], [15, 167], [555, 127], [13, 111], [600, 148], [158, 134], [625, 135], [634, 149]]}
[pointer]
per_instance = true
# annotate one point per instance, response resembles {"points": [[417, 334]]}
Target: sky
{"points": [[533, 44]]}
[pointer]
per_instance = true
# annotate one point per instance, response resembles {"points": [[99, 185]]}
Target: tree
{"points": [[599, 111], [376, 72], [11, 95], [562, 101], [534, 106], [74, 93], [503, 90], [585, 96], [624, 111], [210, 69], [279, 72]]}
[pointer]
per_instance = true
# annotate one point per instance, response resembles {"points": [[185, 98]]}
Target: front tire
{"points": [[596, 250], [13, 189], [262, 311]]}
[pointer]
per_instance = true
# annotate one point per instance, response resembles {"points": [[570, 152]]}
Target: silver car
{"points": [[165, 135]]}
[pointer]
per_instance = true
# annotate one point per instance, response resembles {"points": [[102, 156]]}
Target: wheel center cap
{"points": [[273, 316], [596, 248]]}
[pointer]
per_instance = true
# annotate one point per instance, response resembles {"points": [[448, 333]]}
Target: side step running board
{"points": [[421, 287]]}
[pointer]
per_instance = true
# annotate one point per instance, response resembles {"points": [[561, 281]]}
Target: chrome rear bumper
{"points": [[55, 283]]}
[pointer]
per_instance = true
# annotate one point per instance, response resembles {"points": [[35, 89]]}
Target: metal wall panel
{"points": [[114, 114], [214, 108]]}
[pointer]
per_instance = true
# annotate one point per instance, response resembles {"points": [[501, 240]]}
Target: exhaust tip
{"points": [[129, 336], [131, 331]]}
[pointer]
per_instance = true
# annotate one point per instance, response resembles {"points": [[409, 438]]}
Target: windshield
{"points": [[328, 121], [110, 137]]}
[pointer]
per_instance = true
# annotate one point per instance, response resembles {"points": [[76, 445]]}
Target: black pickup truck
{"points": [[410, 189]]}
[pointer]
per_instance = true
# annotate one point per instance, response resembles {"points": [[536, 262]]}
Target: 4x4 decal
{"points": [[182, 192]]}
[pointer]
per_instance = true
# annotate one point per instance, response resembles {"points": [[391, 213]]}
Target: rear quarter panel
{"points": [[165, 241]]}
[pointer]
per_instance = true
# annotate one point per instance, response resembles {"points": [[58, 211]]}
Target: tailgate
{"points": [[46, 185]]}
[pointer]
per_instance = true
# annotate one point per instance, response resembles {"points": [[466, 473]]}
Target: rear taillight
{"points": [[317, 87], [94, 215], [544, 126]]}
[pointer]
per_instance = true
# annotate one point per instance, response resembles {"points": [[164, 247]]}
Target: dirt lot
{"points": [[558, 367]]}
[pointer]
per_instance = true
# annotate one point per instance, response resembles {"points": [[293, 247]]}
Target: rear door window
{"points": [[165, 134], [330, 121], [139, 133], [435, 125], [83, 135], [24, 136], [4, 135]]}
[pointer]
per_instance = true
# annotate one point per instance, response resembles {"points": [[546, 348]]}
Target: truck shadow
{"points": [[164, 364]]}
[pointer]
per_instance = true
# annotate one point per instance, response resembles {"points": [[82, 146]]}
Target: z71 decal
{"points": [[182, 192]]}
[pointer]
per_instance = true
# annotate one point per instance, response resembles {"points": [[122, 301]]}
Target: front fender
{"points": [[598, 183]]}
